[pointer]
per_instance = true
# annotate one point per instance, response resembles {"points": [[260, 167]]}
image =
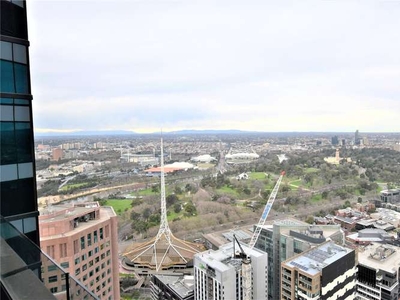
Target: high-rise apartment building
{"points": [[18, 204], [223, 275], [22, 260], [287, 238], [327, 271], [83, 239], [378, 272], [17, 163]]}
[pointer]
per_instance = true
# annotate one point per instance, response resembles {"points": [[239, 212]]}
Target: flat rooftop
{"points": [[380, 257], [222, 260], [59, 213], [181, 285], [313, 261]]}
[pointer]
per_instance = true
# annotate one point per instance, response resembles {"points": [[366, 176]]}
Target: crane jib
{"points": [[267, 208]]}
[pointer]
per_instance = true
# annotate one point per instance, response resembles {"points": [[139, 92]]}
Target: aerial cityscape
{"points": [[218, 151]]}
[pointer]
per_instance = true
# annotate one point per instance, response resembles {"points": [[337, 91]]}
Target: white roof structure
{"points": [[180, 165], [203, 158], [242, 156]]}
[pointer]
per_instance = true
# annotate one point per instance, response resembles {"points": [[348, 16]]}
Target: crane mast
{"points": [[266, 211], [246, 263]]}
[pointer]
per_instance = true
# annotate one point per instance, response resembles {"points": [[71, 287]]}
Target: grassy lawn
{"points": [[73, 185], [316, 198], [297, 182], [227, 190], [205, 165], [172, 215], [119, 205], [311, 170], [257, 175]]}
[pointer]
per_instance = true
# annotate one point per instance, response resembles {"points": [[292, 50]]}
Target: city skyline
{"points": [[268, 67]]}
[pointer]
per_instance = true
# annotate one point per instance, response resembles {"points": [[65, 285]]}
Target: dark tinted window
{"points": [[7, 143]]}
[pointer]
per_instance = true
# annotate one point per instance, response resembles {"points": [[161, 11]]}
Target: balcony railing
{"points": [[29, 273]]}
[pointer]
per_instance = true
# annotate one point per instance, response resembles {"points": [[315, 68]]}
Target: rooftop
{"points": [[222, 259], [80, 216], [315, 259], [182, 286], [380, 257]]}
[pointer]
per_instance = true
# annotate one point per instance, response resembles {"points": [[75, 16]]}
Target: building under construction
{"points": [[164, 251], [221, 274]]}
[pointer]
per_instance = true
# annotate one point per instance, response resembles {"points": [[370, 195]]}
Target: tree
{"points": [[171, 199], [155, 189], [140, 226], [310, 220], [325, 194], [178, 190], [265, 194], [246, 190], [188, 188], [177, 207], [190, 208], [135, 216], [146, 213], [359, 199], [347, 204]]}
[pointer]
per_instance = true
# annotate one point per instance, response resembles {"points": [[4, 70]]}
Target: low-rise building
{"points": [[390, 196], [369, 235]]}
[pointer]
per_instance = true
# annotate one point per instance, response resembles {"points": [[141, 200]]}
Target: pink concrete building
{"points": [[57, 154], [83, 239]]}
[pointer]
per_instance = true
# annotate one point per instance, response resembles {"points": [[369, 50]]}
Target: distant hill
{"points": [[86, 133], [194, 132], [210, 131]]}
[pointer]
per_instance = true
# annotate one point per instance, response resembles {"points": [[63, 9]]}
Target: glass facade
{"points": [[18, 199], [17, 175], [42, 278]]}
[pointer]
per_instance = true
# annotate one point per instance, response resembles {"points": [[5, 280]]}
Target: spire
{"points": [[164, 228], [164, 250]]}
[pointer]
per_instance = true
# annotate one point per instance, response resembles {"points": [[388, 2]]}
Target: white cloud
{"points": [[274, 66]]}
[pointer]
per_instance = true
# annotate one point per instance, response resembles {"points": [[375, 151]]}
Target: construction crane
{"points": [[266, 211], [246, 266]]}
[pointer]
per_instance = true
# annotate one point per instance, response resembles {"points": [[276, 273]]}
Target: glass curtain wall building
{"points": [[17, 179], [22, 262]]}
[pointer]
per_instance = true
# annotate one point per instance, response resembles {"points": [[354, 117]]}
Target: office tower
{"points": [[83, 239], [335, 140], [327, 271], [221, 274], [378, 272], [356, 138], [287, 238], [17, 176]]}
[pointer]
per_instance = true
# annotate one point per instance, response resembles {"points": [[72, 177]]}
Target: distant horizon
{"points": [[193, 131]]}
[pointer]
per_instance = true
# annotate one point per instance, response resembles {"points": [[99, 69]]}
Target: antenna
{"points": [[164, 244]]}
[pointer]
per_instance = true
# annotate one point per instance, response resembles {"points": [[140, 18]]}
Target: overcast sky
{"points": [[249, 65]]}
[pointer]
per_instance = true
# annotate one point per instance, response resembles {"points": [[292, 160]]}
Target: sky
{"points": [[326, 66]]}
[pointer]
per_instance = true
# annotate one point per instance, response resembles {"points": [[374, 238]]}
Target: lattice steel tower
{"points": [[164, 251]]}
